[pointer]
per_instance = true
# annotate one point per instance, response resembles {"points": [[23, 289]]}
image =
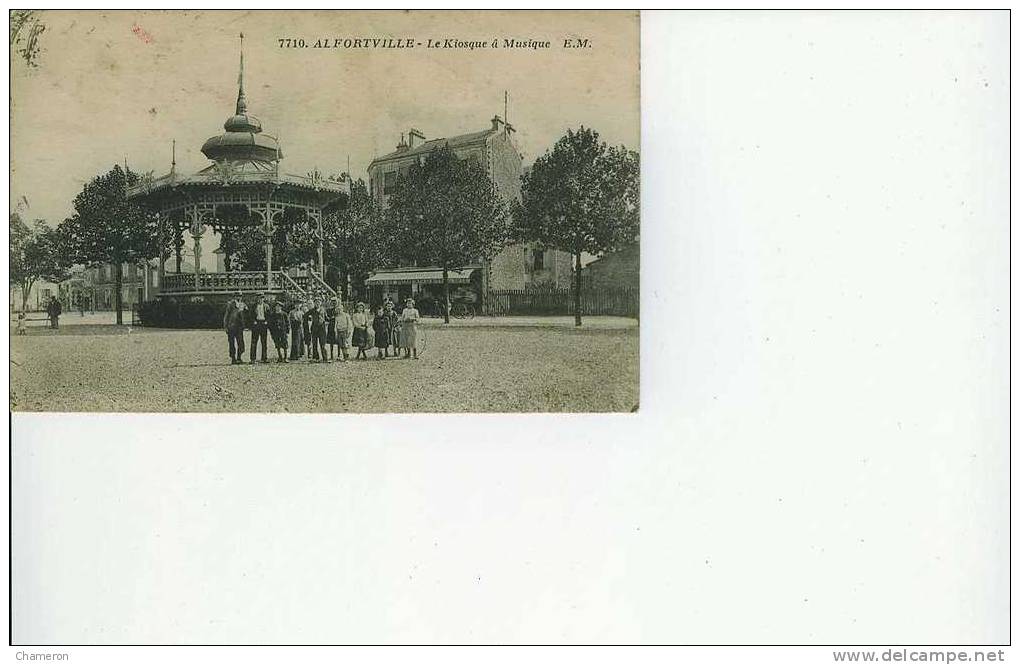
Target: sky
{"points": [[112, 86]]}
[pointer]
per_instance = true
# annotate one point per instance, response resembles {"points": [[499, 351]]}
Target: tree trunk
{"points": [[26, 286], [178, 246], [118, 278], [577, 288], [446, 294]]}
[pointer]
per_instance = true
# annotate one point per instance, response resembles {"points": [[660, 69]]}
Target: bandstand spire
{"points": [[242, 102]]}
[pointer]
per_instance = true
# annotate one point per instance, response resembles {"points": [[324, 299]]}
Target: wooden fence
{"points": [[594, 302]]}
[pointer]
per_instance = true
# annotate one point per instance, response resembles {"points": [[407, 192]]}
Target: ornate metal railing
{"points": [[221, 281]]}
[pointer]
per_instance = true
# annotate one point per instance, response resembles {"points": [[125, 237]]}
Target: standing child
{"points": [[342, 329], [381, 326], [409, 330], [394, 321], [278, 327], [21, 323], [359, 323], [297, 339]]}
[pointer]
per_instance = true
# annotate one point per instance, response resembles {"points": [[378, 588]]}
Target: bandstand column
{"points": [[267, 229], [162, 250], [317, 214], [196, 232]]}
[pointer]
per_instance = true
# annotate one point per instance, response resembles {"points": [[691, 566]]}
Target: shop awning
{"points": [[420, 276]]}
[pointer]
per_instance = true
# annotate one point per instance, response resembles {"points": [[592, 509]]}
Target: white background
{"points": [[821, 455]]}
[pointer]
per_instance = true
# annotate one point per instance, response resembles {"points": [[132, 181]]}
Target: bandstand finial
{"points": [[242, 102]]}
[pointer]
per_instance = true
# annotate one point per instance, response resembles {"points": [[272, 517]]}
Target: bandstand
{"points": [[243, 186]]}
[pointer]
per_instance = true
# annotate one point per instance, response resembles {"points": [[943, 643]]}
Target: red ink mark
{"points": [[142, 34]]}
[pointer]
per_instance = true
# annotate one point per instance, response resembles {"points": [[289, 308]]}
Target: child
{"points": [[21, 323], [278, 327], [297, 342], [409, 330], [394, 321], [359, 323], [381, 326], [342, 329]]}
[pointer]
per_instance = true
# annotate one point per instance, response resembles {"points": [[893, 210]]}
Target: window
{"points": [[389, 182], [539, 259]]}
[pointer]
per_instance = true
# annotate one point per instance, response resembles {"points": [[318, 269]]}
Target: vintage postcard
{"points": [[325, 211]]}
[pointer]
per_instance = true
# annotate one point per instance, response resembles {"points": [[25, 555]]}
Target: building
{"points": [[518, 266], [616, 270], [95, 286], [38, 296]]}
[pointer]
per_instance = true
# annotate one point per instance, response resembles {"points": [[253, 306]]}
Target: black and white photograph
{"points": [[366, 223]]}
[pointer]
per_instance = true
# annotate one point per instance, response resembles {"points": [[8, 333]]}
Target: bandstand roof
{"points": [[242, 156]]}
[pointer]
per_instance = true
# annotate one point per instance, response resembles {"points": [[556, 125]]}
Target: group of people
{"points": [[320, 331], [53, 311]]}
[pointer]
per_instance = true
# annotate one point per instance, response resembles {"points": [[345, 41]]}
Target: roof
{"points": [[430, 145], [238, 144], [236, 173], [420, 275]]}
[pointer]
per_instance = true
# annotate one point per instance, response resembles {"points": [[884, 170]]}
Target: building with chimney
{"points": [[517, 266]]}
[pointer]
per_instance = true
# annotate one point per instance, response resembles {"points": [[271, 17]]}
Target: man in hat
{"points": [[233, 324], [53, 309], [259, 327]]}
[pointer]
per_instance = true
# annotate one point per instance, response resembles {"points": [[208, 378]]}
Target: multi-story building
{"points": [[95, 286], [38, 296], [517, 266]]}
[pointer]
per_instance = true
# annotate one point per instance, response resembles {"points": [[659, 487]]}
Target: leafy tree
{"points": [[294, 241], [35, 253], [352, 238], [108, 228], [582, 196], [446, 213]]}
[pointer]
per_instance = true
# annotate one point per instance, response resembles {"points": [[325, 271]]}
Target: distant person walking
{"points": [[53, 309], [259, 327], [233, 325], [81, 304]]}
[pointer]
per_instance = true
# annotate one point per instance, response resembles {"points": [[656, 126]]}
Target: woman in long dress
{"points": [[409, 329]]}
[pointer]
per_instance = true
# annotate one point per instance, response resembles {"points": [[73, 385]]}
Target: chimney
{"points": [[497, 123], [402, 146], [415, 138]]}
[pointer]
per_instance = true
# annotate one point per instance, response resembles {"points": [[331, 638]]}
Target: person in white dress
{"points": [[409, 331]]}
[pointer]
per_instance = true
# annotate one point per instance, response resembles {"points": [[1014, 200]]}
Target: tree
{"points": [[582, 196], [445, 212], [108, 228], [35, 254], [352, 237]]}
